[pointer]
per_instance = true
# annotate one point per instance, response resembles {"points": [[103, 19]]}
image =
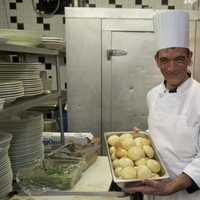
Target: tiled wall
{"points": [[3, 14], [19, 14], [22, 16]]}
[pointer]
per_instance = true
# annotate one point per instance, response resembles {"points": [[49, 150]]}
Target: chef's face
{"points": [[173, 63]]}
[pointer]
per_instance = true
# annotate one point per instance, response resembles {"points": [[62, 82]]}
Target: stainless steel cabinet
{"points": [[129, 76], [110, 67]]}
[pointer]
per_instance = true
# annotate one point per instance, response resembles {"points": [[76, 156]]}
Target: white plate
{"points": [[3, 87], [44, 38], [12, 94], [16, 73], [33, 93], [19, 66], [11, 90], [9, 76], [10, 82], [3, 40], [21, 37], [23, 43]]}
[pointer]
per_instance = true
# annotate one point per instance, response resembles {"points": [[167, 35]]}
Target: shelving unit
{"points": [[28, 102]]}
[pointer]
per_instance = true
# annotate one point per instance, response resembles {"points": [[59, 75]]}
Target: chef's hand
{"points": [[136, 129], [162, 187], [151, 187]]}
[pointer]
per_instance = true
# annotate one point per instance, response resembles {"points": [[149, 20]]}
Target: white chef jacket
{"points": [[174, 125]]}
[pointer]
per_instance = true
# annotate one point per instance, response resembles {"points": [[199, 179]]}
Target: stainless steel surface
{"points": [[62, 137], [121, 182], [26, 103], [103, 94], [113, 13], [83, 38], [69, 193], [196, 69], [51, 104], [128, 79]]}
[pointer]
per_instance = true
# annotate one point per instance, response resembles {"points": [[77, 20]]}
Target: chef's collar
{"points": [[173, 90], [180, 89]]}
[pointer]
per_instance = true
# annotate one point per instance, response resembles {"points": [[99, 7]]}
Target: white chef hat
{"points": [[172, 29]]}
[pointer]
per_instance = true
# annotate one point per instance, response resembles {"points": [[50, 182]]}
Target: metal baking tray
{"points": [[123, 182]]}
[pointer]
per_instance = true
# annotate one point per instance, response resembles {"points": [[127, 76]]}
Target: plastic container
{"points": [[50, 175], [86, 153]]}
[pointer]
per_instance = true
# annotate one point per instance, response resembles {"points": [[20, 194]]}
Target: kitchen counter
{"points": [[96, 178]]}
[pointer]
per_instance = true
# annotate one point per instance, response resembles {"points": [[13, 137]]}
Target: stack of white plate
{"points": [[21, 37], [26, 146], [53, 43], [28, 73], [3, 40], [2, 101], [6, 176], [11, 90]]}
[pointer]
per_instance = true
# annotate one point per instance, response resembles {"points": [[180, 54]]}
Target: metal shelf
{"points": [[25, 49], [25, 103]]}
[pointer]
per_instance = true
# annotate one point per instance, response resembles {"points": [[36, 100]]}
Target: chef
{"points": [[174, 112]]}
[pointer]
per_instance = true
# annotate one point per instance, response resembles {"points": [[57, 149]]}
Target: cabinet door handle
{"points": [[115, 52]]}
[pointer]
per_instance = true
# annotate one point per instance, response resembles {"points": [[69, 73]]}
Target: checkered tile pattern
{"points": [[22, 15], [19, 14]]}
